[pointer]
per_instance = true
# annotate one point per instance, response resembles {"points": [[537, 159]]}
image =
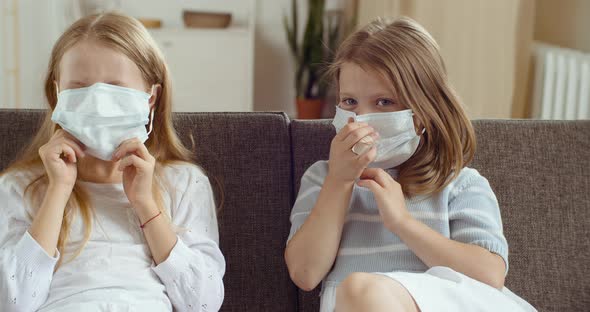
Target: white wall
{"points": [[38, 33], [3, 32], [26, 49], [273, 66]]}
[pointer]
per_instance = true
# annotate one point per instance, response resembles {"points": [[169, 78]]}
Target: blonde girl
{"points": [[394, 220], [101, 213]]}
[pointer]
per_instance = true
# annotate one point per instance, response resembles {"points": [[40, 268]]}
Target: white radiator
{"points": [[562, 83]]}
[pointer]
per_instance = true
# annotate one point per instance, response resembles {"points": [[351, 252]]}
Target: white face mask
{"points": [[102, 116], [397, 136]]}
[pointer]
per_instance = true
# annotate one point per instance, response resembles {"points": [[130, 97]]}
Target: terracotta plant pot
{"points": [[309, 108]]}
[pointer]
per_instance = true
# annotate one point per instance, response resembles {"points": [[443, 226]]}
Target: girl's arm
{"points": [[28, 253], [476, 248], [312, 249], [193, 269], [46, 225], [60, 156], [436, 250], [158, 232], [26, 268], [191, 265], [138, 166]]}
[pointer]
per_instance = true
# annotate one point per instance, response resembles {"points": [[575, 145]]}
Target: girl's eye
{"points": [[349, 102], [384, 102]]}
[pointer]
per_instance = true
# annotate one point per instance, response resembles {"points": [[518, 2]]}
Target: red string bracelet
{"points": [[148, 221]]}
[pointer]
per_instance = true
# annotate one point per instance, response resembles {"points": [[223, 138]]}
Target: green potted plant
{"points": [[311, 53]]}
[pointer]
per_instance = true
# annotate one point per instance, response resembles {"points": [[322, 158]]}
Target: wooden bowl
{"points": [[200, 19], [150, 22]]}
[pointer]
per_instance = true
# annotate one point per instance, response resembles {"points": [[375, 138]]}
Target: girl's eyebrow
{"points": [[75, 82], [380, 95], [383, 95]]}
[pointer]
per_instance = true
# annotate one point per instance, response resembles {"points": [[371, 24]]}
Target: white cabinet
{"points": [[212, 69]]}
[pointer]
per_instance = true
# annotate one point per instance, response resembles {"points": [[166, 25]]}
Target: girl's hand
{"points": [[344, 165], [138, 166], [388, 195], [59, 157]]}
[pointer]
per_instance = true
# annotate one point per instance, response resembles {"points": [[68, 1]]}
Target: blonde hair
{"points": [[409, 58], [128, 36]]}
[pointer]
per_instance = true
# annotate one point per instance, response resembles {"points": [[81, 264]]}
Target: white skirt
{"points": [[443, 289]]}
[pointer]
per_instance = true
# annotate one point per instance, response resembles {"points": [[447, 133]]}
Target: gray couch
{"points": [[540, 171]]}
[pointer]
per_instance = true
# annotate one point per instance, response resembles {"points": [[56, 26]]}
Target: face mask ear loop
{"points": [[151, 113], [56, 89], [151, 121], [423, 128]]}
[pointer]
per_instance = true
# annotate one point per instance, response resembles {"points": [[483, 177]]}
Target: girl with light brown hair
{"points": [[104, 210], [394, 220]]}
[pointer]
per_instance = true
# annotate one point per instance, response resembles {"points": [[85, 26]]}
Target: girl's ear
{"points": [[156, 91]]}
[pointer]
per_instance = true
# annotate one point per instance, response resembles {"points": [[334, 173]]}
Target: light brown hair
{"points": [[409, 58], [128, 36]]}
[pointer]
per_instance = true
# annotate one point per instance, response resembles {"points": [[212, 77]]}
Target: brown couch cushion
{"points": [[540, 173], [249, 154], [310, 142]]}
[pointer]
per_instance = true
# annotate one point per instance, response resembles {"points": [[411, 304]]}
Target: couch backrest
{"points": [[249, 154], [540, 172], [17, 128], [306, 151]]}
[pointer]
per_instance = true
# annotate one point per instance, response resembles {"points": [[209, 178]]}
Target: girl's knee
{"points": [[352, 291], [370, 292]]}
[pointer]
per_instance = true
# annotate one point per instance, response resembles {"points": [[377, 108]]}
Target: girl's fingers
{"points": [[356, 135], [75, 146], [373, 186], [62, 136], [132, 146], [130, 160], [376, 174], [368, 157], [343, 133], [67, 151]]}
